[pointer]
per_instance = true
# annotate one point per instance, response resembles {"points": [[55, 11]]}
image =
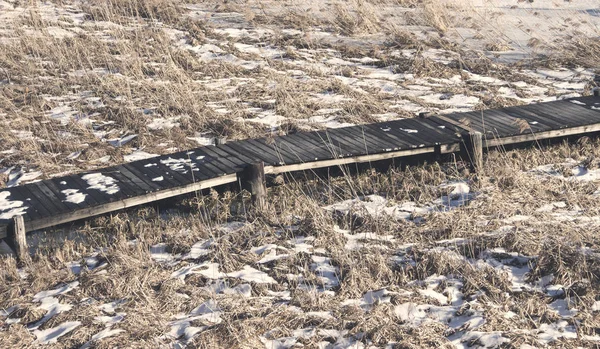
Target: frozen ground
{"points": [[427, 258]]}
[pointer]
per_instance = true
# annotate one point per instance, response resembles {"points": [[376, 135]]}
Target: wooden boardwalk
{"points": [[64, 199]]}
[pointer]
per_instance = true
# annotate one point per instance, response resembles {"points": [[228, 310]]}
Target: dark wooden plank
{"points": [[400, 129], [36, 208], [320, 149], [100, 195], [138, 178], [245, 152], [488, 122], [57, 188], [129, 188], [175, 176], [554, 115], [271, 155], [477, 124], [47, 204], [57, 192], [426, 135], [591, 102], [152, 170], [211, 165], [533, 119], [351, 143], [75, 181], [384, 133], [375, 144], [234, 163], [443, 134], [341, 145], [583, 116], [301, 154], [511, 120], [383, 130], [374, 137], [224, 163], [50, 197], [503, 120]]}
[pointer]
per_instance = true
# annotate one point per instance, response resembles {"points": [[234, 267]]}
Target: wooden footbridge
{"points": [[60, 200]]}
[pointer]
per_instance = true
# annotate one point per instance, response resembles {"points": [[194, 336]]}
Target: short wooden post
{"points": [[597, 91], [474, 150], [220, 140], [16, 238], [252, 178]]}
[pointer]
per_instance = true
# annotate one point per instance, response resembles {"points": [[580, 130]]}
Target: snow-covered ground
{"points": [[251, 69], [429, 257]]}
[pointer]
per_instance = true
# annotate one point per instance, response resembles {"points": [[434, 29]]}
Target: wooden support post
{"points": [[474, 150], [252, 178], [597, 91], [220, 140], [16, 238]]}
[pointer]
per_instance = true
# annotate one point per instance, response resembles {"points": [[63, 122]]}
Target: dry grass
{"points": [[123, 64]]}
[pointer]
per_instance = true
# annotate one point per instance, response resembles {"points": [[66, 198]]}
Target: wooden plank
{"points": [[268, 147], [341, 146], [410, 140], [252, 178], [44, 205], [57, 189], [487, 125], [301, 154], [50, 198], [351, 143], [75, 181], [36, 208], [155, 171], [551, 113], [395, 142], [227, 164], [237, 150], [59, 195], [366, 138], [234, 163], [580, 130], [577, 113], [314, 145], [272, 157], [175, 178], [349, 160], [138, 178], [424, 136], [309, 151], [444, 135], [129, 188], [449, 120], [505, 121], [17, 239], [93, 196], [125, 203], [532, 119]]}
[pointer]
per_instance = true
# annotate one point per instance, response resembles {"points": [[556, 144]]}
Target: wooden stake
{"points": [[17, 239], [252, 178], [474, 150], [220, 140]]}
